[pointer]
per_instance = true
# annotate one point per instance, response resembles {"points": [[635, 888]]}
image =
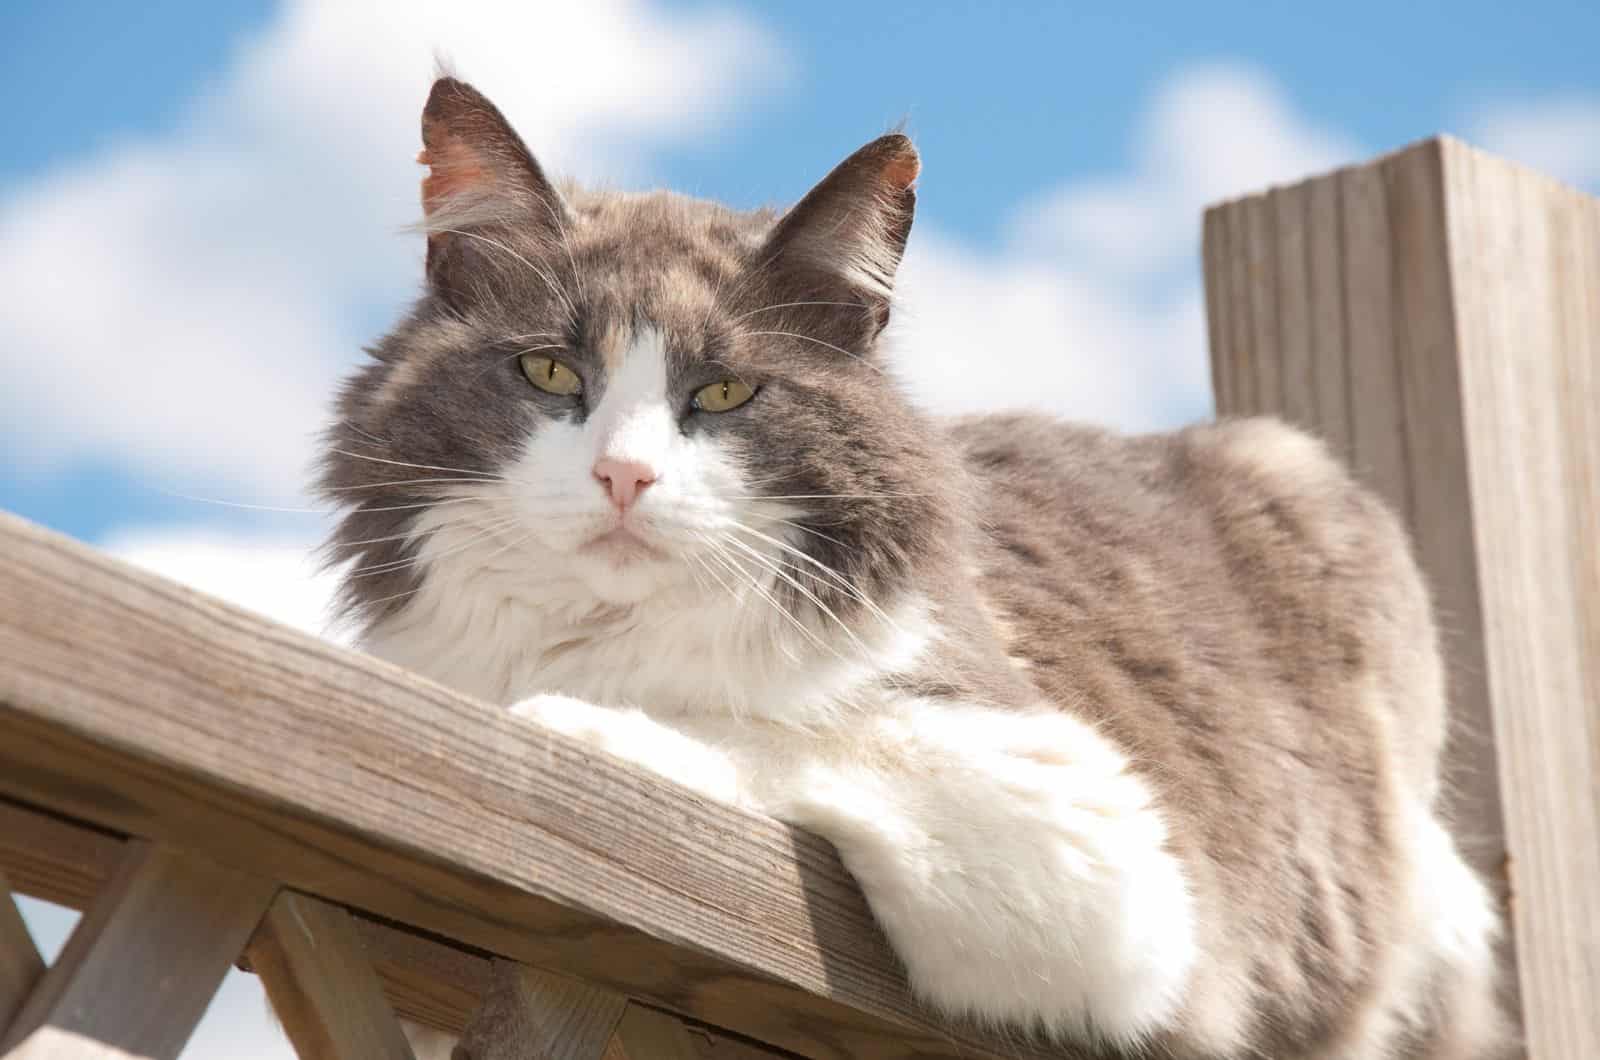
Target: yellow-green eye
{"points": [[720, 397], [551, 376]]}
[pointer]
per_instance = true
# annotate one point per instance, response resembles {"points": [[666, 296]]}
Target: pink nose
{"points": [[623, 479]]}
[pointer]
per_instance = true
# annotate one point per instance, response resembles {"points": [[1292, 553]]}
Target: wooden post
{"points": [[320, 981], [533, 1015], [1435, 315], [141, 966]]}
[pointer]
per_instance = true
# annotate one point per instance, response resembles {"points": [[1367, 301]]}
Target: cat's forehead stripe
{"points": [[612, 342]]}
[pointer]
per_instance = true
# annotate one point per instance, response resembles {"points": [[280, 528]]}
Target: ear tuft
{"points": [[901, 165], [480, 176], [470, 149], [844, 240]]}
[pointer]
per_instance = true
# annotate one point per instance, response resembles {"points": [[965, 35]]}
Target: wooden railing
{"points": [[251, 761], [210, 786]]}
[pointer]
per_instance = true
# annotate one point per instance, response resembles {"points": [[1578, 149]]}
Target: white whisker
{"points": [[819, 342], [435, 481], [542, 274], [400, 564], [792, 305], [816, 601], [419, 467]]}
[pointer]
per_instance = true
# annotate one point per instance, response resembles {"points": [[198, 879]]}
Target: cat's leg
{"points": [[1019, 869]]}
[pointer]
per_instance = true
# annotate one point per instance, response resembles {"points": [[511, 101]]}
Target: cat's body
{"points": [[1132, 739]]}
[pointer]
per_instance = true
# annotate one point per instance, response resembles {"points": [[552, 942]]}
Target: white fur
{"points": [[1017, 866], [1452, 911]]}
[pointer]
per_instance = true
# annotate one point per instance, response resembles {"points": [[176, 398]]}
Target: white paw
{"points": [[1018, 870], [582, 721]]}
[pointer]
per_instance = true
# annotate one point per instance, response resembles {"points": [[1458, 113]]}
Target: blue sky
{"points": [[1006, 102], [200, 205], [1006, 105]]}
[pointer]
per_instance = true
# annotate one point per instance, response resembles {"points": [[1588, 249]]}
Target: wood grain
{"points": [[1524, 253], [140, 706], [532, 1015], [1456, 308], [321, 984], [434, 984], [142, 964], [21, 967], [645, 1034], [54, 859]]}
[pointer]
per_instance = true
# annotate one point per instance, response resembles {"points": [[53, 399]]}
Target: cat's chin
{"points": [[625, 573]]}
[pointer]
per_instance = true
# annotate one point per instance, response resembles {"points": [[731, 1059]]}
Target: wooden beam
{"points": [[137, 705], [48, 857], [21, 967], [142, 964], [532, 1015], [1452, 350], [645, 1034], [321, 984], [433, 984]]}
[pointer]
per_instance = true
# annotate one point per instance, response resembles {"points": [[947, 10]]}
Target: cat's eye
{"points": [[720, 397], [551, 376]]}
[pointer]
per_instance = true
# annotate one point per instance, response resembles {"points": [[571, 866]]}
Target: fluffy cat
{"points": [[1127, 739]]}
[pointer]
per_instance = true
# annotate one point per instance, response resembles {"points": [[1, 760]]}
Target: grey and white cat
{"points": [[1132, 739]]}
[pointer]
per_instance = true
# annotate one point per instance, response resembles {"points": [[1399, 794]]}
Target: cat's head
{"points": [[639, 393]]}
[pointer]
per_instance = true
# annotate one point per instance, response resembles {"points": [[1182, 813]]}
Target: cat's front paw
{"points": [[632, 735], [583, 721], [1020, 872]]}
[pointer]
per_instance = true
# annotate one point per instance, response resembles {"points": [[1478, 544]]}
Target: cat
{"points": [[1130, 740]]}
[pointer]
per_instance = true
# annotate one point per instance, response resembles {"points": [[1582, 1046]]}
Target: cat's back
{"points": [[1182, 570], [1248, 625]]}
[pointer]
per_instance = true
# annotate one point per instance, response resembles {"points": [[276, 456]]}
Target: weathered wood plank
{"points": [[53, 859], [68, 863], [1240, 355], [1266, 372], [1469, 294], [144, 707], [1214, 254], [1324, 261], [645, 1034], [428, 982], [1291, 278], [321, 984], [1522, 252], [1377, 435], [648, 1034], [20, 964], [532, 1015], [140, 968]]}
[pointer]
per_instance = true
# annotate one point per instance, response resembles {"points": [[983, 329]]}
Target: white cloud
{"points": [[275, 576], [1211, 133], [1093, 308], [183, 306], [1559, 136]]}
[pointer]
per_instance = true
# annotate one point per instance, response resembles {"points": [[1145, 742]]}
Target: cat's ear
{"points": [[480, 178], [844, 240]]}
